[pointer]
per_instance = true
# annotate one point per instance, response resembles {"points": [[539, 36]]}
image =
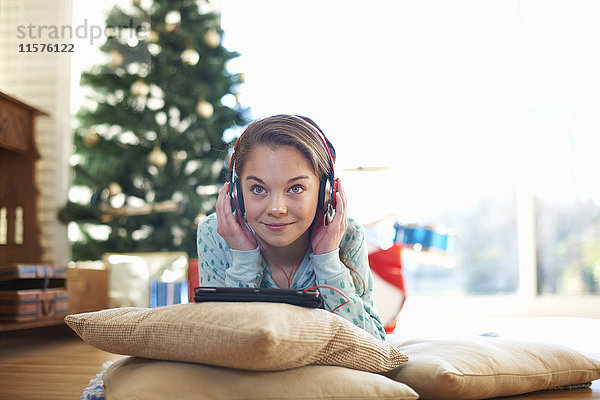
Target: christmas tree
{"points": [[149, 147]]}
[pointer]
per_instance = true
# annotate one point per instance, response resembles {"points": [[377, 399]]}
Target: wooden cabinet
{"points": [[19, 228]]}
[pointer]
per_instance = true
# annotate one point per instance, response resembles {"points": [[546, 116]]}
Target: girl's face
{"points": [[280, 194]]}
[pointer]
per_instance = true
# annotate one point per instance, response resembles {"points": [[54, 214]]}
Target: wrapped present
{"points": [[132, 277]]}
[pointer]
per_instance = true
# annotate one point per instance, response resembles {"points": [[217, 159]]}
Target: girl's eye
{"points": [[257, 189], [296, 189]]}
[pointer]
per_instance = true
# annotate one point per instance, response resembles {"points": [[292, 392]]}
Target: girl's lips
{"points": [[277, 227]]}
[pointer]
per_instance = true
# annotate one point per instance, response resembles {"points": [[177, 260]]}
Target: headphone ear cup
{"points": [[334, 190], [233, 196], [326, 195], [235, 193], [240, 197], [327, 199], [322, 194]]}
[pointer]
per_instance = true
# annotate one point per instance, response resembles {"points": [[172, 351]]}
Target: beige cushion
{"points": [[253, 336], [138, 378], [484, 367]]}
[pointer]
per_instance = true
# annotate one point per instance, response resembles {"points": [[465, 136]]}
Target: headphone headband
{"points": [[230, 174], [322, 137]]}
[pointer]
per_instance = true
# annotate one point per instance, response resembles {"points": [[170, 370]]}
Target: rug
{"points": [[93, 390]]}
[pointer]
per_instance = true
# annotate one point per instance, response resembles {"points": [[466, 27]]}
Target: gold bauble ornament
{"points": [[152, 37], [204, 109], [157, 157], [190, 57], [115, 59], [91, 138], [114, 189], [212, 39], [140, 88]]}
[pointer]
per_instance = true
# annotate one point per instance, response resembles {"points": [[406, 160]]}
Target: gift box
{"points": [[32, 292]]}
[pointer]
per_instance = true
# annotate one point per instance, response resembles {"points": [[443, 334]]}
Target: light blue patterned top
{"points": [[218, 265]]}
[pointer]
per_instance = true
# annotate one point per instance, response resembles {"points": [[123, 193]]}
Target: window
{"points": [[3, 226], [485, 114], [561, 90], [19, 228]]}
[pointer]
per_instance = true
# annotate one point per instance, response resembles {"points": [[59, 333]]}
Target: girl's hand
{"points": [[326, 238], [232, 228]]}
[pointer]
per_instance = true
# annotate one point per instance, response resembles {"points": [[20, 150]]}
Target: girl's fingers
{"points": [[223, 194], [227, 204], [342, 193], [221, 206], [230, 226], [225, 216], [344, 199], [340, 218]]}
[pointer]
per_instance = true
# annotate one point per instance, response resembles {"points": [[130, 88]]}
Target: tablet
{"points": [[310, 298]]}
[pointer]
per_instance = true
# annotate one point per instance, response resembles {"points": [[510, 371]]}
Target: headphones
{"points": [[327, 186]]}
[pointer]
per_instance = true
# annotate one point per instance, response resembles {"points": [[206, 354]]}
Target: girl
{"points": [[280, 231]]}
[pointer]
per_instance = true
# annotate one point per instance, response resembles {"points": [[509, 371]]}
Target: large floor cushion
{"points": [[484, 367], [137, 378]]}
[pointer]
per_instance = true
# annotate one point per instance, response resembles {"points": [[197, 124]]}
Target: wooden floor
{"points": [[48, 363]]}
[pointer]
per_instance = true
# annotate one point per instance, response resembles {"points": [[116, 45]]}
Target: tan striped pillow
{"points": [[252, 336]]}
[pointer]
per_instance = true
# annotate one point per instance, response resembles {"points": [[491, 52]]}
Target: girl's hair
{"points": [[297, 132], [286, 130]]}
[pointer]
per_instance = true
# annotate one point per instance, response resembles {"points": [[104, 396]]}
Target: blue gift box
{"points": [[167, 293]]}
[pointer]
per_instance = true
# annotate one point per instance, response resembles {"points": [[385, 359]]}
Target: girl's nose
{"points": [[277, 206]]}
